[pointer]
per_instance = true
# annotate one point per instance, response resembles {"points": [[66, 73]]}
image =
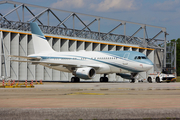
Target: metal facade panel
{"points": [[6, 41], [119, 48], [96, 47], [14, 45], [47, 71], [88, 46], [111, 48], [64, 47], [150, 55], [104, 47], [23, 52], [80, 45], [31, 68], [72, 45], [56, 47], [1, 52]]}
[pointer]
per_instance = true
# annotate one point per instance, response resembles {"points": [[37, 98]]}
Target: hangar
{"points": [[71, 32]]}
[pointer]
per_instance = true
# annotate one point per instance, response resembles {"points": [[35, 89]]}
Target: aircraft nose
{"points": [[150, 62]]}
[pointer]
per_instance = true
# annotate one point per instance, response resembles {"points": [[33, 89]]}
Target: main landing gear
{"points": [[75, 79], [104, 79], [132, 80]]}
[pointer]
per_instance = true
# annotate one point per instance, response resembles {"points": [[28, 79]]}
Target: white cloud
{"points": [[63, 4], [170, 5], [115, 5]]}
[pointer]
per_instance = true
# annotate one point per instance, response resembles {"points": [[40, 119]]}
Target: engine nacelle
{"points": [[85, 73]]}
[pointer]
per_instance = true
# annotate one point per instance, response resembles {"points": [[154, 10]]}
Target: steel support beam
{"points": [[155, 36], [87, 26], [5, 19], [23, 13], [99, 29], [134, 34], [123, 21], [73, 26], [62, 22], [3, 2], [11, 11], [33, 15], [113, 29], [125, 32], [85, 32], [38, 15], [83, 23], [165, 50], [48, 17], [57, 17], [17, 12]]}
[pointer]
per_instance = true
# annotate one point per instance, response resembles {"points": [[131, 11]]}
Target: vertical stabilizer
{"points": [[40, 43]]}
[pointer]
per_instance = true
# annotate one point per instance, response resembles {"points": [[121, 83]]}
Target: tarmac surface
{"points": [[91, 101]]}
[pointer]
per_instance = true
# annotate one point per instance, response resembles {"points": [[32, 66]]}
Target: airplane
{"points": [[85, 64]]}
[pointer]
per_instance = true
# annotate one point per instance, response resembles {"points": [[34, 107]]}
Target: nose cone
{"points": [[149, 62]]}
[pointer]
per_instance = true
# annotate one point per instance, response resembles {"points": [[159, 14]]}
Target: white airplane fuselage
{"points": [[105, 61]]}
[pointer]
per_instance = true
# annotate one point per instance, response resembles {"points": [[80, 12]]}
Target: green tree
{"points": [[178, 56]]}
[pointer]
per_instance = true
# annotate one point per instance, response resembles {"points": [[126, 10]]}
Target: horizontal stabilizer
{"points": [[56, 64], [34, 62], [25, 57]]}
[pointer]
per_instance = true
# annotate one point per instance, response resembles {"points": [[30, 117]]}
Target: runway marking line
{"points": [[87, 93]]}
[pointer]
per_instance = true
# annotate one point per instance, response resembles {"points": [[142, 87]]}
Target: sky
{"points": [[164, 13]]}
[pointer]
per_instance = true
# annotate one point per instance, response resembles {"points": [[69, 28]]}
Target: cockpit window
{"points": [[140, 57], [144, 57]]}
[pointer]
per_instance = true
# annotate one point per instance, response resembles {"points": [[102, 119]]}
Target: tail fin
{"points": [[40, 43]]}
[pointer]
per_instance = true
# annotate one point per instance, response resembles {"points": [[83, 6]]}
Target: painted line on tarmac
{"points": [[87, 93]]}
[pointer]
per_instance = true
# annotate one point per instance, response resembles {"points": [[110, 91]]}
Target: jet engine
{"points": [[85, 73]]}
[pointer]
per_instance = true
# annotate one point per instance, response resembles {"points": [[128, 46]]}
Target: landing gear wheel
{"points": [[149, 79], [132, 81], [75, 79], [104, 79], [158, 80], [101, 79]]}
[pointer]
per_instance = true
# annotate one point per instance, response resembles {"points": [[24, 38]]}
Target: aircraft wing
{"points": [[58, 64], [25, 57]]}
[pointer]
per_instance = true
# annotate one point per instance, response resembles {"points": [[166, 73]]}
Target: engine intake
{"points": [[85, 73]]}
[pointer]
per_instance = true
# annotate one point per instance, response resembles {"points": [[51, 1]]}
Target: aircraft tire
{"points": [[103, 79], [106, 79], [75, 79], [133, 80], [158, 80], [149, 79]]}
